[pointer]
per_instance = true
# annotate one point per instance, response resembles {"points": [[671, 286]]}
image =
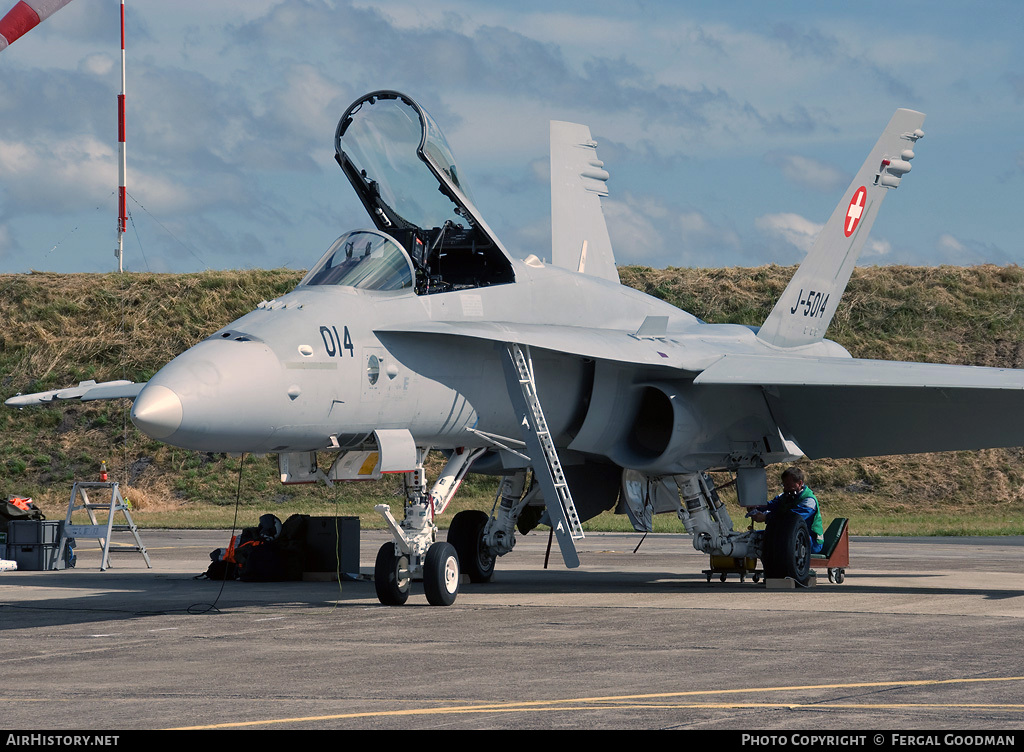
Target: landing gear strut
{"points": [[480, 538], [415, 553]]}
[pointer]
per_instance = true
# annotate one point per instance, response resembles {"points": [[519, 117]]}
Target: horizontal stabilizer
{"points": [[839, 407]]}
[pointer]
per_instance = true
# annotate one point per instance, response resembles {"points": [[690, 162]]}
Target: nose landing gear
{"points": [[391, 577], [415, 553]]}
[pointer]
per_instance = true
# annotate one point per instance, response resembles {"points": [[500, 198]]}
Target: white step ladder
{"points": [[102, 532], [547, 468]]}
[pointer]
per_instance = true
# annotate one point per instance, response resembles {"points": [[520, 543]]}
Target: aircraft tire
{"points": [[391, 586], [787, 547], [441, 574], [466, 535]]}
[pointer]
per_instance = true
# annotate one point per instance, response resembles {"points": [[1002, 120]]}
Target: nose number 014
{"points": [[334, 343]]}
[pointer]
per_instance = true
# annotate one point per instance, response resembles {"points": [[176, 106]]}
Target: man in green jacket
{"points": [[796, 497]]}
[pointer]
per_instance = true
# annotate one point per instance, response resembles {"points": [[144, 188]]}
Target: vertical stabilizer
{"points": [[805, 310], [579, 236]]}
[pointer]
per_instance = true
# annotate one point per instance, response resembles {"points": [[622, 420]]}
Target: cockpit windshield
{"points": [[403, 170], [364, 259]]}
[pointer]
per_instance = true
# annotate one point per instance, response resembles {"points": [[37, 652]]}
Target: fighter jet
{"points": [[425, 332]]}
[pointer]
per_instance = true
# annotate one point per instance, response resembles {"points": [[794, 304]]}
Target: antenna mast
{"points": [[122, 218]]}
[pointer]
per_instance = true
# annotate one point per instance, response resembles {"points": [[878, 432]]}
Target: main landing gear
{"points": [[786, 547], [466, 535]]}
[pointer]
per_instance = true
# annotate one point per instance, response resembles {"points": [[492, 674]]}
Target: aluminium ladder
{"points": [[102, 532], [547, 467]]}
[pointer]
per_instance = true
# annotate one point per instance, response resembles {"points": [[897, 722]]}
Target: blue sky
{"points": [[730, 129]]}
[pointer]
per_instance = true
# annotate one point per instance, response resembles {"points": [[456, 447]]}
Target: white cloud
{"points": [[950, 245], [808, 172], [75, 174], [964, 252], [647, 231], [161, 195], [98, 64], [6, 243], [16, 158], [634, 234], [801, 233], [55, 176], [792, 228], [306, 103], [878, 248]]}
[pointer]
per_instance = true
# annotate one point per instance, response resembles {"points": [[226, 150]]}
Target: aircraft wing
{"points": [[603, 344], [86, 391], [839, 407]]}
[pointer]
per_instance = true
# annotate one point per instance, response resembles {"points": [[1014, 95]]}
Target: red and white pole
{"points": [[25, 16], [122, 217]]}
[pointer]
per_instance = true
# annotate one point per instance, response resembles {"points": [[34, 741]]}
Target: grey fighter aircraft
{"points": [[425, 332]]}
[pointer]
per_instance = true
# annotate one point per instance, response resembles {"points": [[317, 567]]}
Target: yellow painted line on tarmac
{"points": [[636, 701]]}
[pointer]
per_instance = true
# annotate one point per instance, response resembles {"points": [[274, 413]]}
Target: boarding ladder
{"points": [[101, 531], [522, 389]]}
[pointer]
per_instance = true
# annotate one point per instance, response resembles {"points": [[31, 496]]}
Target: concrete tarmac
{"points": [[925, 633]]}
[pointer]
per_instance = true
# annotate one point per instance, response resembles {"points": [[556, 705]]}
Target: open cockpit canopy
{"points": [[403, 170]]}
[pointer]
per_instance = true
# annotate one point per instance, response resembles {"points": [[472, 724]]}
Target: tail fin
{"points": [[805, 310], [579, 236]]}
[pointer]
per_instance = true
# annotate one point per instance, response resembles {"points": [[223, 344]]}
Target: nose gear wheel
{"points": [[441, 574]]}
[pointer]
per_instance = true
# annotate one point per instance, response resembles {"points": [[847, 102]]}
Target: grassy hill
{"points": [[56, 330]]}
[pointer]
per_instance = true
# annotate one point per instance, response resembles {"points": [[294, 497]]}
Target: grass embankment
{"points": [[57, 330]]}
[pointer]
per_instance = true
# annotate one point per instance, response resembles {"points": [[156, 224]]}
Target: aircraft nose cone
{"points": [[157, 411], [217, 396]]}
